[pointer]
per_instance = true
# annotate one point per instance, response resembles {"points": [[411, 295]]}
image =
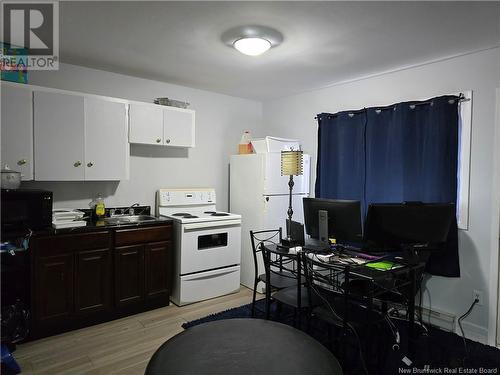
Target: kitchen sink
{"points": [[132, 219], [140, 218]]}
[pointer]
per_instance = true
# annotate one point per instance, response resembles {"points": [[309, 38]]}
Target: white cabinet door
{"points": [[106, 140], [178, 127], [59, 134], [17, 130], [146, 124]]}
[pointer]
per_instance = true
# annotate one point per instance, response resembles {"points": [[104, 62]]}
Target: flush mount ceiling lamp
{"points": [[252, 46], [252, 40]]}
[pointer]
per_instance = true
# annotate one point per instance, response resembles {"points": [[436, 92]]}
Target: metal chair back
{"points": [[259, 239]]}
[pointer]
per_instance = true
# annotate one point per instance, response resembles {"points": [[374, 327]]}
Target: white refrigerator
{"points": [[260, 195]]}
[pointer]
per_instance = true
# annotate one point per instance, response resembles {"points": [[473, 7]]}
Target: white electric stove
{"points": [[207, 248]]}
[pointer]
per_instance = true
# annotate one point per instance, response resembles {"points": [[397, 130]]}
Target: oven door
{"points": [[210, 245]]}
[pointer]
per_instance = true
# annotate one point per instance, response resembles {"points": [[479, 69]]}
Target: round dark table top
{"points": [[243, 347]]}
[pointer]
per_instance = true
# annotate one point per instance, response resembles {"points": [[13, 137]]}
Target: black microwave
{"points": [[26, 209]]}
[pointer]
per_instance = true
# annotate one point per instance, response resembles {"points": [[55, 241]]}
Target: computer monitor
{"points": [[296, 231], [344, 218], [415, 224]]}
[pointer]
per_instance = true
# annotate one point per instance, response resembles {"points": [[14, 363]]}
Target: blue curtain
{"points": [[403, 152], [340, 150]]}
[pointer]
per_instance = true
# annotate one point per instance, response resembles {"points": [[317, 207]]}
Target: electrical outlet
{"points": [[478, 294]]}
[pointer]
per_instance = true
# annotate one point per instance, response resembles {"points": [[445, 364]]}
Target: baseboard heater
{"points": [[436, 318], [441, 319]]}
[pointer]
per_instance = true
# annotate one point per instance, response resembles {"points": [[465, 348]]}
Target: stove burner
{"points": [[185, 215]]}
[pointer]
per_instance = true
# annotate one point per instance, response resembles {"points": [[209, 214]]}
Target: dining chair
{"points": [[278, 277], [280, 259]]}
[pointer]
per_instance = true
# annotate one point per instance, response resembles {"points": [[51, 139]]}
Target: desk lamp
{"points": [[291, 165]]}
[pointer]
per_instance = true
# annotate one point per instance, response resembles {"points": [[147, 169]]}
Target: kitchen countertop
{"points": [[94, 225]]}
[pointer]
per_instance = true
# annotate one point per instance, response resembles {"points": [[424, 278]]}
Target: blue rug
{"points": [[244, 311], [436, 350]]}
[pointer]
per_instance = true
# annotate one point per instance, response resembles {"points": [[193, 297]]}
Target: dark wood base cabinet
{"points": [[140, 275], [88, 278], [156, 258], [129, 275]]}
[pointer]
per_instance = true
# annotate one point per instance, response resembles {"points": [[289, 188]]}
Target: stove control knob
{"points": [[165, 197]]}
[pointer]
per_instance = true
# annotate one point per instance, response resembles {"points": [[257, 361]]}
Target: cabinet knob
{"points": [[22, 162], [168, 141], [77, 163], [158, 140], [90, 164]]}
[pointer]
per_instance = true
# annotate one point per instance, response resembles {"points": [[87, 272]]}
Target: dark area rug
{"points": [[437, 352]]}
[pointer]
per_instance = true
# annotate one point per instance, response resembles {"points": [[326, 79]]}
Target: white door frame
{"points": [[495, 225]]}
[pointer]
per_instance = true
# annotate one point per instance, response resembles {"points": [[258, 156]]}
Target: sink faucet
{"points": [[125, 211], [130, 209]]}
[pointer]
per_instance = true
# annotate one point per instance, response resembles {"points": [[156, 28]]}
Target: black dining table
{"points": [[243, 347], [408, 272]]}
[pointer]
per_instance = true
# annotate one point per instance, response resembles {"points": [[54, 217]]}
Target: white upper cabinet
{"points": [[178, 127], [17, 129], [59, 133], [159, 125], [146, 124], [106, 140], [80, 138]]}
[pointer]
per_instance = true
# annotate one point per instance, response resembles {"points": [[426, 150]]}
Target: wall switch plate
{"points": [[479, 295]]}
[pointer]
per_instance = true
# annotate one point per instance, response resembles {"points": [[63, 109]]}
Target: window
{"points": [[465, 129]]}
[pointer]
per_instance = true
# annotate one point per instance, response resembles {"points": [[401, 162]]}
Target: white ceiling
{"points": [[325, 42]]}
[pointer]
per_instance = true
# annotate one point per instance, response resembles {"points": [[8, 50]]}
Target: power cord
{"points": [[476, 301]]}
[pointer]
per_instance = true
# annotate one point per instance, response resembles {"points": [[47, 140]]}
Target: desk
{"points": [[243, 346], [358, 282], [408, 273]]}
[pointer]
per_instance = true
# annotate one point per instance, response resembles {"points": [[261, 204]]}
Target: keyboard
{"points": [[360, 254]]}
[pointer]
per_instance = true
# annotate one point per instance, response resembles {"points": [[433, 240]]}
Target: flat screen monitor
{"points": [[296, 231], [394, 225], [344, 218]]}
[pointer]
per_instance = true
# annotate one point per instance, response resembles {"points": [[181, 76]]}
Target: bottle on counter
{"points": [[98, 206], [245, 145]]}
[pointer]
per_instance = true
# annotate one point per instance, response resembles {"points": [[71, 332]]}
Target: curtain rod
{"points": [[461, 98]]}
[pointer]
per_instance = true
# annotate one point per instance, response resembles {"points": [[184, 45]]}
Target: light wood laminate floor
{"points": [[121, 346]]}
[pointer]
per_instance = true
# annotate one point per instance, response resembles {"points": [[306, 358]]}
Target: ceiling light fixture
{"points": [[252, 40], [252, 46]]}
